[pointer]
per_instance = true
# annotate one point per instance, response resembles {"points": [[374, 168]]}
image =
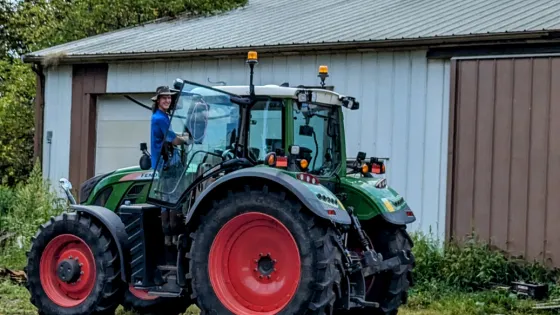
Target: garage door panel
{"points": [[117, 107], [123, 133], [121, 127]]}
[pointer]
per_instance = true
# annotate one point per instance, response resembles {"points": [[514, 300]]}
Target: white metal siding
{"points": [[403, 114], [58, 106]]}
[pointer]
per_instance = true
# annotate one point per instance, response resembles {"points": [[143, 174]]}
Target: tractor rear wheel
{"points": [[73, 267], [390, 289], [257, 252], [139, 302]]}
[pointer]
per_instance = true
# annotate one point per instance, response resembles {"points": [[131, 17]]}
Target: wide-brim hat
{"points": [[162, 90]]}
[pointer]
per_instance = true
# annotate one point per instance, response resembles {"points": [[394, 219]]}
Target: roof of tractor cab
{"points": [[319, 95]]}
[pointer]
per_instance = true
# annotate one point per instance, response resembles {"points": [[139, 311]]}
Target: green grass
{"points": [[14, 299]]}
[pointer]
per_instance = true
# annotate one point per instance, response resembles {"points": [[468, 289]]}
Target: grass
{"points": [[14, 299]]}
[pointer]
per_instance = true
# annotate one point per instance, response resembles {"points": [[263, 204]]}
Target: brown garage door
{"points": [[505, 175]]}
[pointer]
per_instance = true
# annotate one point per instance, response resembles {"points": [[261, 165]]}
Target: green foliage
{"points": [[472, 265], [31, 25], [16, 121], [32, 203], [440, 299], [465, 278], [7, 199]]}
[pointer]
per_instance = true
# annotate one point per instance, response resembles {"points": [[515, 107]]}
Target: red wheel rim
{"points": [[254, 264], [61, 248], [141, 294]]}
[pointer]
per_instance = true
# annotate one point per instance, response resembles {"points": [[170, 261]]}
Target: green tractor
{"points": [[267, 215]]}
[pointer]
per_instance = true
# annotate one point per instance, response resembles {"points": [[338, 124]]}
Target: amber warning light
{"points": [[252, 56]]}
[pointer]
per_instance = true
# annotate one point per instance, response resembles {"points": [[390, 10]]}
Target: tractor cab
{"points": [[295, 129]]}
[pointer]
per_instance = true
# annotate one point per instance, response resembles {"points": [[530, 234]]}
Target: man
{"points": [[162, 138]]}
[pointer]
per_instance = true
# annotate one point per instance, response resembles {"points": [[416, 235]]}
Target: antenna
{"points": [[252, 60]]}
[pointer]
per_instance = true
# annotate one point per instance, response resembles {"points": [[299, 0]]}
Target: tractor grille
{"points": [[133, 193]]}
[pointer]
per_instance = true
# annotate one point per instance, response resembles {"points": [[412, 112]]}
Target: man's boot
{"points": [[175, 224]]}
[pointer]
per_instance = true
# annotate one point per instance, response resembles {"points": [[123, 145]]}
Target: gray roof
{"points": [[287, 22]]}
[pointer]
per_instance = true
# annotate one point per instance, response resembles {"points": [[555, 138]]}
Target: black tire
{"points": [[390, 289], [315, 239], [106, 287], [160, 305]]}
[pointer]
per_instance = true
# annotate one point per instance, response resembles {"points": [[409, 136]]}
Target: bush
{"points": [[7, 199], [32, 204], [472, 265]]}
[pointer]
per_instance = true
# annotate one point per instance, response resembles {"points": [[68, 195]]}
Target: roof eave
{"points": [[415, 43]]}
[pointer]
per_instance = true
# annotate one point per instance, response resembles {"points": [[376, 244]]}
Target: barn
{"points": [[461, 95]]}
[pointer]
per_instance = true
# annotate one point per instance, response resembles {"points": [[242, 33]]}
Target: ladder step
{"points": [[164, 294]]}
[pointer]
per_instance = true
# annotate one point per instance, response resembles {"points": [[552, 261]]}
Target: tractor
{"points": [[267, 216]]}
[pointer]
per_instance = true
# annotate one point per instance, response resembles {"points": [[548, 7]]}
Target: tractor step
{"points": [[164, 294]]}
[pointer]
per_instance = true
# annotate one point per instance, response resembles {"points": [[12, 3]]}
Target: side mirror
{"points": [[145, 162], [67, 186], [145, 159]]}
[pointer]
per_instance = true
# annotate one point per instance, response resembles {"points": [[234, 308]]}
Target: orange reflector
{"points": [[303, 163], [365, 168], [281, 161], [271, 160]]}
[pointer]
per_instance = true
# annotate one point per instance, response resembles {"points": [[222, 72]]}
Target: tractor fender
{"points": [[300, 189], [112, 222], [402, 217]]}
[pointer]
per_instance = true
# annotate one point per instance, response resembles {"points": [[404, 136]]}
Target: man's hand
{"points": [[182, 139]]}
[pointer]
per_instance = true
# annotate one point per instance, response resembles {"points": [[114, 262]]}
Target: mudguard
{"points": [[329, 207], [402, 217], [113, 223]]}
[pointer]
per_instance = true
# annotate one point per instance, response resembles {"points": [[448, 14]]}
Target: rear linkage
{"points": [[358, 267]]}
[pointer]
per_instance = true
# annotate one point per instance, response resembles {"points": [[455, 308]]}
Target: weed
{"points": [[472, 265], [30, 204]]}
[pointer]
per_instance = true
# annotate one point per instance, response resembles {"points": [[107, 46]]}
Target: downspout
{"points": [[39, 132]]}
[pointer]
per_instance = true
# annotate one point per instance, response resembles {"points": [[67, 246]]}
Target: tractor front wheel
{"points": [[73, 267], [256, 252]]}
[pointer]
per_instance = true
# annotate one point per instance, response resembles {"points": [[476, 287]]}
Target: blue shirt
{"points": [[160, 126]]}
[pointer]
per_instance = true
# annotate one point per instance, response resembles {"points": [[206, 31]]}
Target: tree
{"points": [[31, 25]]}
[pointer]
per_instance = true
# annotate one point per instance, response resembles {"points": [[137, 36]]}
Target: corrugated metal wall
{"points": [[403, 115], [58, 104], [507, 156]]}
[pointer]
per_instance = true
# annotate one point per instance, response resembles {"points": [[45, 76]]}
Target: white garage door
{"points": [[121, 126]]}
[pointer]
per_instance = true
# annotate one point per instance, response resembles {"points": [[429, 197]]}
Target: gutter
{"points": [[311, 48]]}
